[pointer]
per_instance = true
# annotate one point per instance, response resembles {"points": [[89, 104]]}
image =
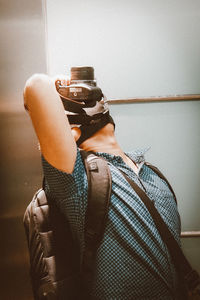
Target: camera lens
{"points": [[82, 73]]}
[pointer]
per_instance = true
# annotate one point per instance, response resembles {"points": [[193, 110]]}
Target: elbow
{"points": [[33, 86]]}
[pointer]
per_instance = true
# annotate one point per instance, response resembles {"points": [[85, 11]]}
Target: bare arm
{"points": [[50, 122]]}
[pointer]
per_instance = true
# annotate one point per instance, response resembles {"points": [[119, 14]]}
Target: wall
{"points": [[23, 52], [138, 47], [142, 48], [172, 132]]}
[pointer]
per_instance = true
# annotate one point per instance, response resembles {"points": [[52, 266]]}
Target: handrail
{"points": [[189, 234], [185, 97]]}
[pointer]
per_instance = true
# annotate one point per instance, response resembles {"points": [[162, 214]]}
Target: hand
{"points": [[61, 80]]}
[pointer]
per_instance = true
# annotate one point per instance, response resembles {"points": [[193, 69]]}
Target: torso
{"points": [[132, 262]]}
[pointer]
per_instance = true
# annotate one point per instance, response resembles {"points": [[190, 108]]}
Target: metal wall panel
{"points": [[23, 52]]}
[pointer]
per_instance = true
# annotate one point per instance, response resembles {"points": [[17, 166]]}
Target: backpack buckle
{"points": [[93, 166]]}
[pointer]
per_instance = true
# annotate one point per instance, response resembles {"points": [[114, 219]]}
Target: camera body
{"points": [[84, 102], [81, 90]]}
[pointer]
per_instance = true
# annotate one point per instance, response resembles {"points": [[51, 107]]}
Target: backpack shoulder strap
{"points": [[99, 192], [160, 174]]}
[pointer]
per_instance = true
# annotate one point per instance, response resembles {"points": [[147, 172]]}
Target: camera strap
{"points": [[83, 118], [87, 130], [191, 277]]}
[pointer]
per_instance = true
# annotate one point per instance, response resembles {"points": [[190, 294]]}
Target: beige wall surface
{"points": [[138, 47]]}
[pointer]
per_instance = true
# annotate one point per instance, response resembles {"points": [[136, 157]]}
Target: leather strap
{"points": [[87, 130], [99, 191], [191, 277], [157, 171]]}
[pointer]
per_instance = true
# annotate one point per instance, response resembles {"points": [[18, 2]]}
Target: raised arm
{"points": [[50, 122]]}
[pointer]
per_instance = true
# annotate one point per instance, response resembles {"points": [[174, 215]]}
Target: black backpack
{"points": [[55, 269], [54, 260]]}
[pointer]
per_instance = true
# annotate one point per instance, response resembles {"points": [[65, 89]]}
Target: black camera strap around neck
{"points": [[182, 265], [88, 130]]}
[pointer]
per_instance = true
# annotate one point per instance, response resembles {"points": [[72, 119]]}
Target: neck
{"points": [[103, 141]]}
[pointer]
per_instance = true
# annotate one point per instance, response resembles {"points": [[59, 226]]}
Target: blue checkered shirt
{"points": [[132, 260]]}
